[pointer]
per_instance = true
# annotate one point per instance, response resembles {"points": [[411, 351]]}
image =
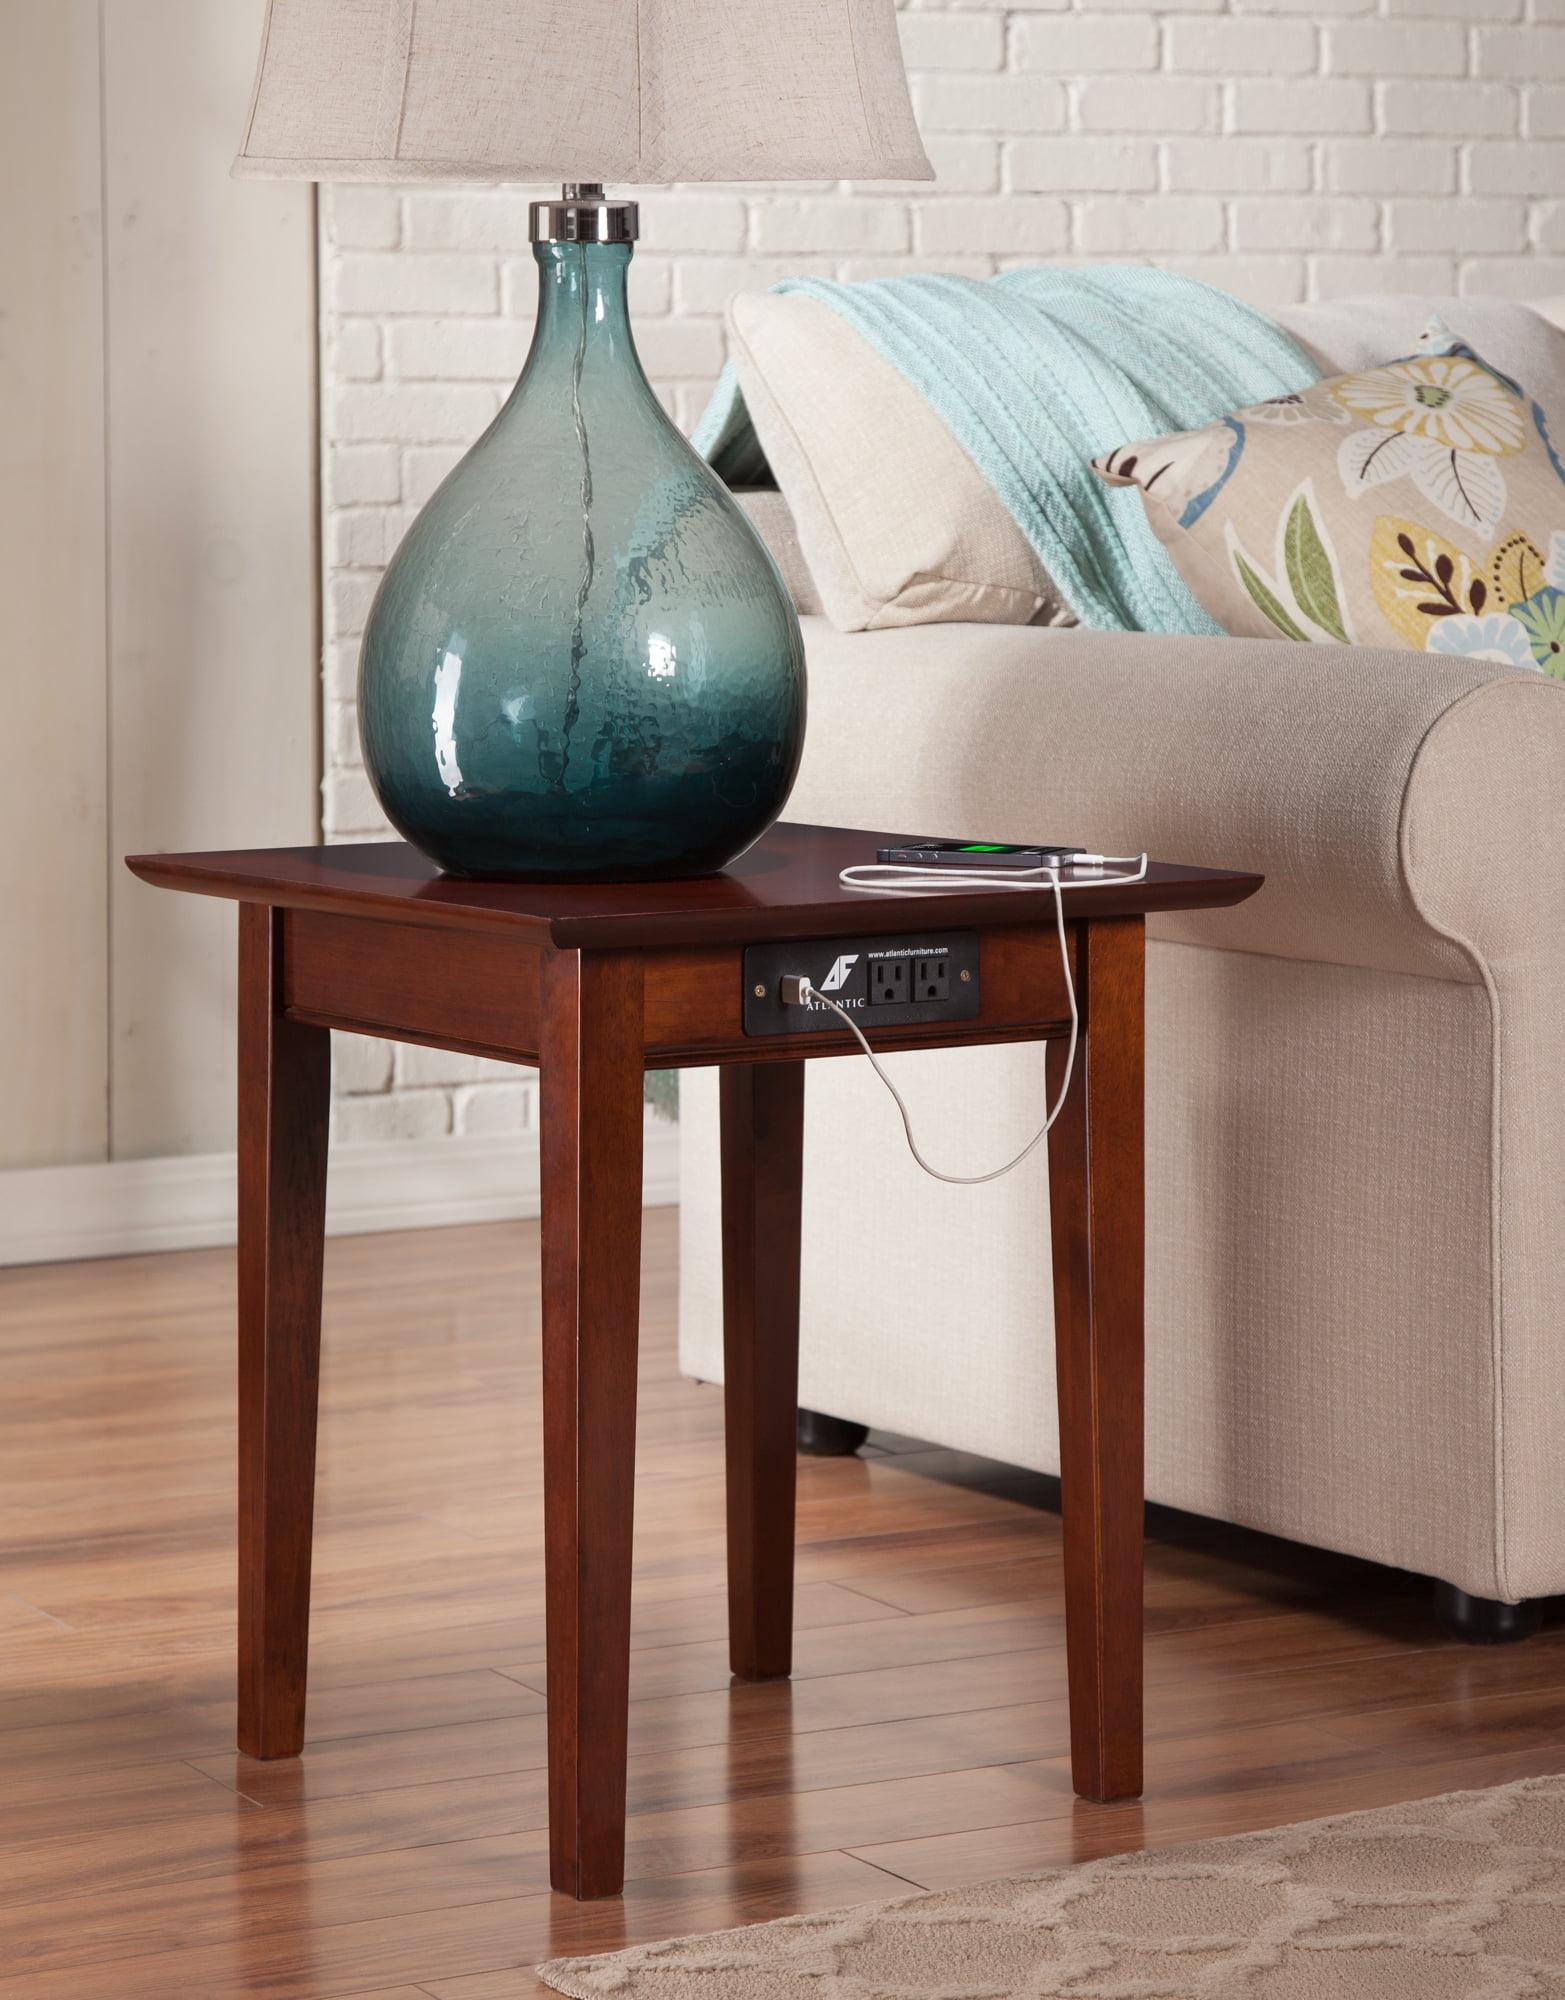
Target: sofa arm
{"points": [[1399, 805]]}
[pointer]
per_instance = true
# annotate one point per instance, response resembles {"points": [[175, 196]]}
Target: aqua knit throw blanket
{"points": [[1034, 373]]}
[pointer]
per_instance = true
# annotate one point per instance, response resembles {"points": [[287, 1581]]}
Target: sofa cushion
{"points": [[772, 519], [1419, 504], [1343, 336], [896, 523]]}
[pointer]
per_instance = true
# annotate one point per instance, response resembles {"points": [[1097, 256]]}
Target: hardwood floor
{"points": [[922, 1740]]}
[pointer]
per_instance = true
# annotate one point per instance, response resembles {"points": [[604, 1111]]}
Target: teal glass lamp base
{"points": [[582, 663]]}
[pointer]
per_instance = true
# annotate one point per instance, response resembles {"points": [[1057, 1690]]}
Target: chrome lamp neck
{"points": [[584, 215]]}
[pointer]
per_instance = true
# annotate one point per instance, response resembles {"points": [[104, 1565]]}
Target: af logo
{"points": [[837, 978]]}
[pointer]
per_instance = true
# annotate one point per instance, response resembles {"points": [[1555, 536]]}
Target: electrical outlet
{"points": [[889, 982], [932, 979]]}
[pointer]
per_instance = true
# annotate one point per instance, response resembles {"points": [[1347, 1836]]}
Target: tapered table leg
{"points": [[591, 1064], [762, 1152], [1096, 1202], [284, 1093]]}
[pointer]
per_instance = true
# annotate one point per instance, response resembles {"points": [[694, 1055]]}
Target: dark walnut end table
{"points": [[594, 984]]}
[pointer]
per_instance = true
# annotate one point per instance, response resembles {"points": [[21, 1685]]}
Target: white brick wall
{"points": [[1285, 149]]}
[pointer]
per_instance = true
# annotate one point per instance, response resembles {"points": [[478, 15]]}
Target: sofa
{"points": [[1355, 1104]]}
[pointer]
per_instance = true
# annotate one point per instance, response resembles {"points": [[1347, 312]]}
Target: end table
{"points": [[594, 984]]}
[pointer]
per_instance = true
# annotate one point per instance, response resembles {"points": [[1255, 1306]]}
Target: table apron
{"points": [[479, 992], [467, 990]]}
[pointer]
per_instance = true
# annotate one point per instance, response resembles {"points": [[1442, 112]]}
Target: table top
{"points": [[786, 886]]}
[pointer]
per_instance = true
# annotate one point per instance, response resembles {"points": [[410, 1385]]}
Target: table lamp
{"points": [[581, 663]]}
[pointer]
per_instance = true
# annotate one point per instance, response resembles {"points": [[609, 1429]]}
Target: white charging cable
{"points": [[906, 878], [890, 878]]}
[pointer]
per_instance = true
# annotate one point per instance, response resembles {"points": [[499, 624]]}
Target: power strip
{"points": [[883, 982]]}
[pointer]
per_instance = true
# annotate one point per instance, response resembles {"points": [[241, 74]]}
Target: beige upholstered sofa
{"points": [[1355, 1085]]}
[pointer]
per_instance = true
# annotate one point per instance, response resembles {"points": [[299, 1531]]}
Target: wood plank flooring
{"points": [[922, 1740]]}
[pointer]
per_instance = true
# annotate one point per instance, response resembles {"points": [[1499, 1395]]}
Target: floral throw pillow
{"points": [[1420, 504]]}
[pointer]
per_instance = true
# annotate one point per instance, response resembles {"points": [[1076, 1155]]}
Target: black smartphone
{"points": [[976, 853]]}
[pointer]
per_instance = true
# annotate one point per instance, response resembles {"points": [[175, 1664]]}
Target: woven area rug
{"points": [[1455, 1898]]}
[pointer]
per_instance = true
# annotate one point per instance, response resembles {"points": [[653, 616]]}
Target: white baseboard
{"points": [[126, 1207]]}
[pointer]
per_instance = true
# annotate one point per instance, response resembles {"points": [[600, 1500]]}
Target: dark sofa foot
{"points": [[1485, 1621], [829, 1437]]}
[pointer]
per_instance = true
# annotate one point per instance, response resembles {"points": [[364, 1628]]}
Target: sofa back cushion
{"points": [[1345, 336], [895, 522], [772, 519], [880, 518]]}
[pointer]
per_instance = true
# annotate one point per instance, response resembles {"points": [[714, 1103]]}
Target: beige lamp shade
{"points": [[582, 90]]}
